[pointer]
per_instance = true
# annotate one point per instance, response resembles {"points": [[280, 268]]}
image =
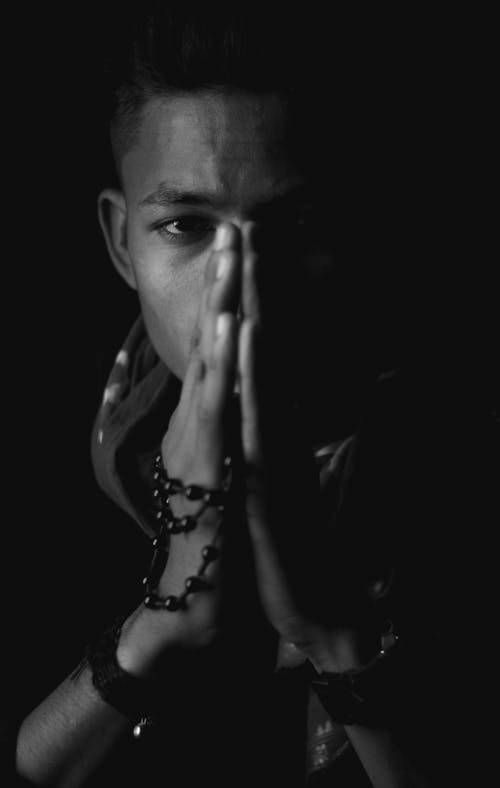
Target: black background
{"points": [[65, 314]]}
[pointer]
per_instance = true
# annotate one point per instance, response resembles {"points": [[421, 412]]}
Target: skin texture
{"points": [[230, 148]]}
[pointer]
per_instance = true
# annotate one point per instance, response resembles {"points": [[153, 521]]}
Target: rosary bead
{"points": [[171, 603], [173, 486], [174, 526], [194, 493], [187, 523], [210, 553], [195, 583]]}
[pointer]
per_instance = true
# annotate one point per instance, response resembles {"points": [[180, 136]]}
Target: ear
{"points": [[112, 210]]}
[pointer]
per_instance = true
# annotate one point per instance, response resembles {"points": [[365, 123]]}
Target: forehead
{"points": [[231, 145]]}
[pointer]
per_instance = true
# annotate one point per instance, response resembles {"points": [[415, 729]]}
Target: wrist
{"points": [[374, 693], [149, 641], [129, 694], [143, 642], [344, 649], [132, 655]]}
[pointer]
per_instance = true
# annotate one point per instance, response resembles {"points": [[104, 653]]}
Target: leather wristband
{"points": [[138, 698], [131, 696], [373, 695]]}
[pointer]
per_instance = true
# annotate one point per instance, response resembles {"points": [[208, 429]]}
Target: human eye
{"points": [[184, 229]]}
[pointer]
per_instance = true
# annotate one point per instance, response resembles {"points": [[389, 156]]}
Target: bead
{"points": [[171, 603], [173, 486], [187, 523], [157, 476], [158, 461], [210, 553], [137, 731], [144, 581], [194, 493], [174, 526], [195, 583], [148, 601]]}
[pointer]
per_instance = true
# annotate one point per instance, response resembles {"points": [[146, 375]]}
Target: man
{"points": [[221, 222]]}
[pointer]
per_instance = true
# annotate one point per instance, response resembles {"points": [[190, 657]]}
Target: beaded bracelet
{"points": [[171, 525], [136, 698]]}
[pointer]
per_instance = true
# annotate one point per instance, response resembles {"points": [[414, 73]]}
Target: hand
{"points": [[193, 450], [291, 543]]}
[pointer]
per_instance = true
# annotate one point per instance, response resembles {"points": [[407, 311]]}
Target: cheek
{"points": [[169, 291]]}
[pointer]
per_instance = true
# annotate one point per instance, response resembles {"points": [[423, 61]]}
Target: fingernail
{"points": [[220, 325], [221, 237], [222, 266]]}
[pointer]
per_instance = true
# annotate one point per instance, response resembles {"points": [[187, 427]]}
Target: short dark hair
{"points": [[167, 48], [342, 76]]}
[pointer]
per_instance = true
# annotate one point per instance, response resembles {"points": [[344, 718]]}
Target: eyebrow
{"points": [[165, 196]]}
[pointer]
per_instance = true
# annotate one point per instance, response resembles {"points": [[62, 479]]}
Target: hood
{"points": [[138, 401]]}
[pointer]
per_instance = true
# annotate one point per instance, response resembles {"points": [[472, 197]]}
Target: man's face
{"points": [[202, 159]]}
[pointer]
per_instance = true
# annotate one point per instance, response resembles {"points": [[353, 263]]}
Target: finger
{"points": [[250, 299], [218, 385], [225, 236], [221, 298], [208, 279], [222, 288], [251, 415], [194, 374]]}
